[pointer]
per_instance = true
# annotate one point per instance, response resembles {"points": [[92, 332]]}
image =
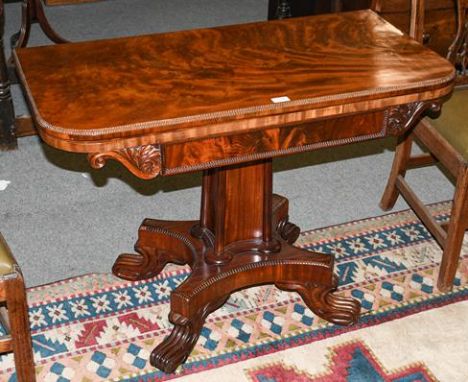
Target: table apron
{"points": [[232, 149]]}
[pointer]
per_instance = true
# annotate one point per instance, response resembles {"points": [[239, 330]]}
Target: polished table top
{"points": [[201, 83]]}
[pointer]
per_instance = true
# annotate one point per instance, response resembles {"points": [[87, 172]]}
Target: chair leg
{"points": [[455, 233], [20, 330], [399, 167]]}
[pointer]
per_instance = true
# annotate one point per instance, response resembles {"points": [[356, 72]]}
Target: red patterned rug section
{"points": [[350, 362]]}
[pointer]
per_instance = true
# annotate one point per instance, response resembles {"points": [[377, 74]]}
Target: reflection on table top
{"points": [[140, 87]]}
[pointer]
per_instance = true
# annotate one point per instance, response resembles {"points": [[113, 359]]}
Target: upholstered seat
{"points": [[453, 122], [7, 261]]}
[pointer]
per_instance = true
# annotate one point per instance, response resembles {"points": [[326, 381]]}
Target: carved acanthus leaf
{"points": [[142, 161], [403, 117]]}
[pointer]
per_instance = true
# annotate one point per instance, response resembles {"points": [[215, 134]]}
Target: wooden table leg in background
{"points": [[32, 11], [243, 239], [10, 128], [7, 115]]}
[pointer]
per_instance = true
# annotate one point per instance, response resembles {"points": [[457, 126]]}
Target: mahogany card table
{"points": [[225, 101]]}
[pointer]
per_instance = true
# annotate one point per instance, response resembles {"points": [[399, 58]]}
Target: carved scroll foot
{"points": [[288, 231], [176, 348], [159, 243], [139, 266], [324, 302], [308, 273]]}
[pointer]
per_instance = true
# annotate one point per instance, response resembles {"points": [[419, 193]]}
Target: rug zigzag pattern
{"points": [[352, 361], [390, 264]]}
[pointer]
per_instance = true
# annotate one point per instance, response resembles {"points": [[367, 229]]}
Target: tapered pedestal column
{"points": [[243, 239]]}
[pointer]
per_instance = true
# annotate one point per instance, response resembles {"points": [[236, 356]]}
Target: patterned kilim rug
{"points": [[97, 327]]}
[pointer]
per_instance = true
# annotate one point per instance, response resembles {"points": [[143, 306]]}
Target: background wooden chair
{"points": [[14, 316], [446, 140]]}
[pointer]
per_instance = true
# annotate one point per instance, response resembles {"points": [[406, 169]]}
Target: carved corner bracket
{"points": [[401, 118], [142, 161]]}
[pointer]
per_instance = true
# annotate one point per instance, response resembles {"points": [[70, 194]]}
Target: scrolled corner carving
{"points": [[401, 118], [142, 161], [288, 231]]}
